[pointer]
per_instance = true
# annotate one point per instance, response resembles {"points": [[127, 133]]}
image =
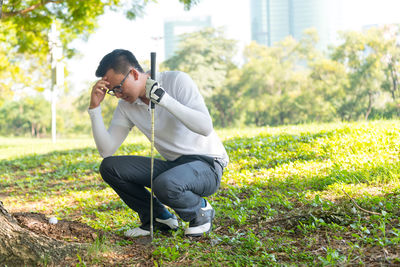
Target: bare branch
{"points": [[28, 9], [355, 203]]}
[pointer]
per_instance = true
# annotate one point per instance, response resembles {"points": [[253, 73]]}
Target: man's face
{"points": [[127, 86]]}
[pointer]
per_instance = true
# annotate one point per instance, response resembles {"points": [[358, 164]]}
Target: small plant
{"points": [[81, 263], [169, 253], [332, 257]]}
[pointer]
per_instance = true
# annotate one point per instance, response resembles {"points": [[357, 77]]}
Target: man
{"points": [[184, 136]]}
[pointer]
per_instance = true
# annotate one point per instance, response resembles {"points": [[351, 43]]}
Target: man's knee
{"points": [[106, 168], [166, 189]]}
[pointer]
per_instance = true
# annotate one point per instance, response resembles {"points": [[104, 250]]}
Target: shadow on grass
{"points": [[77, 169], [59, 172], [51, 173]]}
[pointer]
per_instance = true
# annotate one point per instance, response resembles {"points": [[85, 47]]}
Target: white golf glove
{"points": [[153, 91]]}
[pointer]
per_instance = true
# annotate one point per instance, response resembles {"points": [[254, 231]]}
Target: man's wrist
{"points": [[94, 111], [157, 94], [92, 106], [165, 100]]}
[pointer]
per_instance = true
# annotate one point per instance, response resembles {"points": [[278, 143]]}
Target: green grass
{"points": [[297, 195]]}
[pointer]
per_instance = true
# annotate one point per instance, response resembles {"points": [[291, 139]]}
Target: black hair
{"points": [[120, 61]]}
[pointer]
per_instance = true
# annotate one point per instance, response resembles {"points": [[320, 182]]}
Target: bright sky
{"points": [[138, 35]]}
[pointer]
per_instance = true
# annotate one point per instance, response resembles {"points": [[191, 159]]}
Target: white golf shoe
{"points": [[159, 224]]}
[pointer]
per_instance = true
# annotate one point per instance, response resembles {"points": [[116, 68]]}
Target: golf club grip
{"points": [[153, 70], [153, 65]]}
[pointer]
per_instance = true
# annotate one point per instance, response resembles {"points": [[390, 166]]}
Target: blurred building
{"points": [[273, 20], [173, 28]]}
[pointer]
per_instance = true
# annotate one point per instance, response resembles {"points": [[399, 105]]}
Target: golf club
{"points": [[152, 105]]}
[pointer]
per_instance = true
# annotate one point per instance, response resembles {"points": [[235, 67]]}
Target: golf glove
{"points": [[153, 91]]}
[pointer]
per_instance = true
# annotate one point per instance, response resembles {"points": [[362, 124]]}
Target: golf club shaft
{"points": [[151, 173], [153, 76]]}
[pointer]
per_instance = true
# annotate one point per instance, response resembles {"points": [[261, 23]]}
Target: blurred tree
{"points": [[391, 59], [25, 25], [361, 54], [209, 66], [223, 102], [274, 86], [29, 115], [329, 80], [33, 18], [206, 55]]}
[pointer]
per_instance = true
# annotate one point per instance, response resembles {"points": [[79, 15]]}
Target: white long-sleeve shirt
{"points": [[183, 125]]}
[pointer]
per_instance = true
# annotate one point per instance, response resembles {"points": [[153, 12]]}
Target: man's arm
{"points": [[196, 118], [107, 142]]}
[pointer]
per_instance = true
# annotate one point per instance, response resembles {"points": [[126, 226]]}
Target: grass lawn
{"points": [[323, 194]]}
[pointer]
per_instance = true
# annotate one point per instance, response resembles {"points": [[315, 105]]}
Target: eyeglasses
{"points": [[118, 88]]}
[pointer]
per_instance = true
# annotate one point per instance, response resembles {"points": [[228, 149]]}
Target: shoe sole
{"points": [[208, 231], [165, 226], [162, 227]]}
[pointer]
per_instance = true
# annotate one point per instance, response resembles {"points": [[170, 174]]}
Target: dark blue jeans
{"points": [[179, 184]]}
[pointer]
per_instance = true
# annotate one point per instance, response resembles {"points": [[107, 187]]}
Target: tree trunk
{"points": [[393, 75], [32, 130], [21, 247], [369, 109]]}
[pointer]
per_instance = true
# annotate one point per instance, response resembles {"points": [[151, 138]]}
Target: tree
{"points": [[206, 55], [33, 18], [274, 86], [25, 25], [209, 66], [361, 54], [391, 59], [29, 115], [223, 102], [329, 80], [21, 247]]}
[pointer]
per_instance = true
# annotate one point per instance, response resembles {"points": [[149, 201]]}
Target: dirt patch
{"points": [[70, 231], [138, 252]]}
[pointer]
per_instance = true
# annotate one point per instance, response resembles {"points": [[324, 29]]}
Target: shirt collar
{"points": [[139, 101]]}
